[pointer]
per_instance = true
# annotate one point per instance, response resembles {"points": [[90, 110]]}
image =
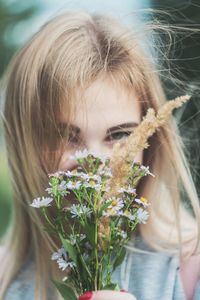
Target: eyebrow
{"points": [[122, 126], [77, 130]]}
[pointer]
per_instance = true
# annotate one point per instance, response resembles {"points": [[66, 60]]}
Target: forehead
{"points": [[104, 104]]}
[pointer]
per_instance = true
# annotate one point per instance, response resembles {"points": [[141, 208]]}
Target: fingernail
{"points": [[123, 291], [86, 296]]}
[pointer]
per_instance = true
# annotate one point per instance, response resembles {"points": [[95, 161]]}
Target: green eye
{"points": [[118, 135]]}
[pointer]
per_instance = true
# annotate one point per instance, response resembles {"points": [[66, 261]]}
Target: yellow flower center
{"points": [[114, 203], [92, 182], [143, 199], [110, 211]]}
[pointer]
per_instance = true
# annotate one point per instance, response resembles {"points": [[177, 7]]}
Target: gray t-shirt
{"points": [[148, 276]]}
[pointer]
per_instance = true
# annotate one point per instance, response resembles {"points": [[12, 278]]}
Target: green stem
{"points": [[47, 217]]}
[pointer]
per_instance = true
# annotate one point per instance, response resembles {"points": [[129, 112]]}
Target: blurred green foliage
{"points": [[184, 66], [12, 13]]}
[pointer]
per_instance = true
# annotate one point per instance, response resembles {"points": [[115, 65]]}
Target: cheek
{"points": [[66, 163]]}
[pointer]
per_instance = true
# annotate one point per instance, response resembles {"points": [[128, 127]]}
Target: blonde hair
{"points": [[70, 51]]}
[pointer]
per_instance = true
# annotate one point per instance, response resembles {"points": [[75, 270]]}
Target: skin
{"points": [[104, 106]]}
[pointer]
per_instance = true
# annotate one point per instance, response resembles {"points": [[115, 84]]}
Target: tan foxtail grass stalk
{"points": [[123, 157]]}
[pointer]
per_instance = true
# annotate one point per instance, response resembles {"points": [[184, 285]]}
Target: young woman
{"points": [[83, 81]]}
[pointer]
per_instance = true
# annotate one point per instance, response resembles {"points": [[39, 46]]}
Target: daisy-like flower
{"points": [[146, 170], [63, 264], [116, 203], [90, 176], [142, 216], [73, 173], [73, 185], [69, 173], [61, 188], [80, 154], [106, 172], [41, 202], [128, 215], [82, 236], [128, 190], [122, 233], [61, 253], [143, 201], [73, 238], [77, 210], [93, 185], [110, 212], [56, 174]]}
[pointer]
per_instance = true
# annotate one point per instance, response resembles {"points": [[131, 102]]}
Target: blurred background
{"points": [[19, 19]]}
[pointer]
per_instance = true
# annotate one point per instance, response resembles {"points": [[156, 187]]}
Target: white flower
{"points": [[142, 215], [128, 190], [62, 264], [142, 201], [61, 188], [82, 236], [60, 254], [146, 170], [73, 173], [93, 185], [90, 177], [116, 203], [73, 238], [80, 154], [128, 215], [77, 210], [122, 233], [112, 213], [68, 174], [41, 202], [56, 174], [106, 172], [73, 185]]}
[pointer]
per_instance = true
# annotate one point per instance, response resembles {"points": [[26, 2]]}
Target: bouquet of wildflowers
{"points": [[94, 230]]}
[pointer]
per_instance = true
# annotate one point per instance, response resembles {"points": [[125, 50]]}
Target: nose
{"points": [[99, 149]]}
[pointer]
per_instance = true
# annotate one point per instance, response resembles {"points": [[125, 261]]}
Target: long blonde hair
{"points": [[68, 53]]}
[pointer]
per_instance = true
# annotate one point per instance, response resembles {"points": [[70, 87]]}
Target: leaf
{"points": [[90, 232], [67, 292], [112, 286], [69, 248], [119, 259]]}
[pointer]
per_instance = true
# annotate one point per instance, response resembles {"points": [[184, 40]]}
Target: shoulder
{"points": [[22, 287]]}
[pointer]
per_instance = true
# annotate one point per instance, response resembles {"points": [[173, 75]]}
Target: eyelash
{"points": [[116, 135], [74, 139]]}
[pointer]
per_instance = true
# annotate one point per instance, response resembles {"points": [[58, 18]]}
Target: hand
{"points": [[107, 295]]}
